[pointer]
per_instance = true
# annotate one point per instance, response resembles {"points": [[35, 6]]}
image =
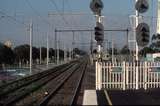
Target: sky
{"points": [[15, 16]]}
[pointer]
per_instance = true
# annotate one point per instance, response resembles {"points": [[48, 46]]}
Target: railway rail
{"points": [[67, 91], [42, 88], [14, 85]]}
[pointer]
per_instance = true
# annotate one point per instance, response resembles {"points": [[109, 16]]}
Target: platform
{"points": [[94, 97]]}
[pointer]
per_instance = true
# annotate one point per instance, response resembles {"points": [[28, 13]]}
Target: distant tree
{"points": [[35, 53], [6, 55], [125, 50], [51, 53], [61, 53], [115, 51], [68, 53], [157, 59], [78, 51], [22, 53], [2, 54], [146, 50], [155, 43], [44, 53]]}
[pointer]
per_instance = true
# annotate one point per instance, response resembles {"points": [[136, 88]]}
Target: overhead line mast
{"points": [[158, 18]]}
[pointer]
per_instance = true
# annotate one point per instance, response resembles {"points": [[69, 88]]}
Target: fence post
{"points": [[145, 75], [137, 74], [98, 75], [124, 75], [127, 77]]}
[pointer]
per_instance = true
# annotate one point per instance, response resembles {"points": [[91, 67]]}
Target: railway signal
{"points": [[99, 33], [96, 6], [142, 29], [142, 34], [142, 6]]}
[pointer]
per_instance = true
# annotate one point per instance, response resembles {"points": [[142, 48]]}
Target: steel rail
{"points": [[47, 98], [29, 90]]}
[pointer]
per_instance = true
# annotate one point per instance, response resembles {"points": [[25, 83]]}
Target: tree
{"points": [[51, 53], [6, 55], [61, 53], [146, 50], [115, 51], [43, 53], [78, 51], [22, 53], [155, 43], [125, 50], [35, 53], [2, 54]]}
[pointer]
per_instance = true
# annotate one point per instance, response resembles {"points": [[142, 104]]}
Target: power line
{"points": [[57, 9], [73, 18], [36, 12], [13, 18]]}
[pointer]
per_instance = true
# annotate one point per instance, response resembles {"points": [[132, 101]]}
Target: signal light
{"points": [[142, 34], [99, 33]]}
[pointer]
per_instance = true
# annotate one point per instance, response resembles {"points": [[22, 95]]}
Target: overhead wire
{"points": [[36, 12], [60, 13], [57, 9], [2, 11], [13, 18], [73, 18]]}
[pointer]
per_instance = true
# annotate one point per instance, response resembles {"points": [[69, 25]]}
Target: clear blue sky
{"points": [[43, 6], [116, 16]]}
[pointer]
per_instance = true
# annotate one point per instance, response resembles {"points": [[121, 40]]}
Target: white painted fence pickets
{"points": [[127, 75]]}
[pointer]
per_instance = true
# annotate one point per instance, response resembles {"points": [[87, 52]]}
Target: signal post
{"points": [[142, 32], [96, 6]]}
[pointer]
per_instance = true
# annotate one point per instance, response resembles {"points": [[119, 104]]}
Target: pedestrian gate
{"points": [[127, 75]]}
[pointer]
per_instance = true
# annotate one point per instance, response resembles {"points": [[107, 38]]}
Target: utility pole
{"points": [[70, 54], [55, 46], [91, 45], [112, 50], [137, 17], [62, 46], [40, 55], [158, 19], [31, 35], [64, 51], [47, 50], [73, 45], [58, 46]]}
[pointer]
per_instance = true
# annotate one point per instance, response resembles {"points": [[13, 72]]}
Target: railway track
{"points": [[66, 92], [14, 85], [50, 87], [16, 90]]}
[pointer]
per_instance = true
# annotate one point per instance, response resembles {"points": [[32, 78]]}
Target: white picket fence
{"points": [[127, 75]]}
